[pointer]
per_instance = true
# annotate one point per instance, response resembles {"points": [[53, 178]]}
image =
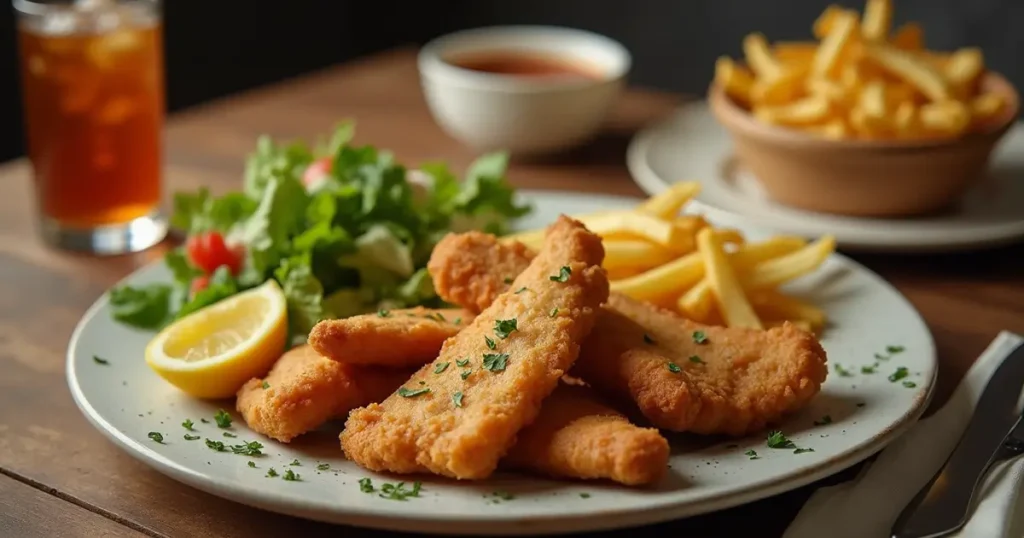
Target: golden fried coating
{"points": [[578, 436], [458, 416], [735, 383], [456, 262], [398, 338], [305, 390]]}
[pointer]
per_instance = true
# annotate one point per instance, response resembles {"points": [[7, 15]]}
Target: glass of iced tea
{"points": [[92, 77]]}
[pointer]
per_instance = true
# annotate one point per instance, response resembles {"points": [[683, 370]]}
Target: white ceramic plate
{"points": [[125, 401], [691, 145]]}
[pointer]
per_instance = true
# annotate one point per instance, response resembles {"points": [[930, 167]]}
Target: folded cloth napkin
{"points": [[868, 505]]}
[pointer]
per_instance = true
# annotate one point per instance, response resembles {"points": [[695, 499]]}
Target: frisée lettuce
{"points": [[352, 239]]}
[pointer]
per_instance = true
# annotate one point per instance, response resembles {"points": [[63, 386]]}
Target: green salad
{"points": [[343, 229]]}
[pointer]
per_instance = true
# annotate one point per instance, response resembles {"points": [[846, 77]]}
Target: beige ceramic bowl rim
{"points": [[736, 118], [432, 62]]}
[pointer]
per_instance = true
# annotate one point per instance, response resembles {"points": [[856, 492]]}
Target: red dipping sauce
{"points": [[526, 64]]}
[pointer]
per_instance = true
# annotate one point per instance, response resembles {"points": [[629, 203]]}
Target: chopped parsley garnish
{"points": [[881, 357], [751, 454], [892, 350], [899, 374], [291, 476], [323, 467], [489, 342], [252, 464], [462, 362], [271, 473], [495, 362], [222, 418], [295, 463], [843, 372], [229, 434], [504, 495], [563, 274], [776, 439], [397, 492], [190, 437], [802, 450], [156, 437], [383, 313], [507, 280], [99, 360], [648, 339], [521, 290], [909, 384], [412, 393], [440, 367], [465, 374], [188, 425], [696, 359], [827, 419], [584, 495], [457, 321], [553, 313], [436, 316], [457, 399], [366, 485], [265, 385], [215, 445], [868, 369], [505, 327], [204, 421], [252, 448], [674, 368], [699, 337]]}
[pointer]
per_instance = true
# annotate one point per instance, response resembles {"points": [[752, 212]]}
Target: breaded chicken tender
{"points": [[397, 338], [304, 390], [735, 382], [577, 436], [458, 416]]}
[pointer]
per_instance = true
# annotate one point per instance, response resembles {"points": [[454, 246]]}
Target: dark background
{"points": [[220, 47]]}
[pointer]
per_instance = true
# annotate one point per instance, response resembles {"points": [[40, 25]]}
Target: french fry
{"points": [[836, 129], [911, 69], [905, 121], [985, 107], [666, 205], [698, 303], [779, 90], [622, 272], [867, 125], [836, 92], [751, 254], [729, 295], [691, 223], [795, 54], [735, 80], [807, 111], [910, 36], [877, 20], [620, 224], [841, 34], [776, 271], [633, 254], [948, 118], [823, 25], [963, 69], [773, 304], [872, 100], [759, 56]]}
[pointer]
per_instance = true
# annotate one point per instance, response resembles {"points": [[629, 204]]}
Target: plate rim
{"points": [[651, 183], [497, 524]]}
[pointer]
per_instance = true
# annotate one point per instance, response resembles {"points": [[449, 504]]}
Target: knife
{"points": [[994, 434]]}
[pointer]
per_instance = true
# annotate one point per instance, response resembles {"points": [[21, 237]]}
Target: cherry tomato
{"points": [[208, 251], [317, 170], [199, 284]]}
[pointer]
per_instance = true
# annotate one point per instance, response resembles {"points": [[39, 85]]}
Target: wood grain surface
{"points": [[61, 475]]}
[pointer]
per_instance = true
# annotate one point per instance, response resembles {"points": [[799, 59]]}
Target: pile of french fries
{"points": [[861, 80], [710, 275]]}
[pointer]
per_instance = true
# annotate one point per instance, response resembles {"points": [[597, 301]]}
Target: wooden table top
{"points": [[58, 475]]}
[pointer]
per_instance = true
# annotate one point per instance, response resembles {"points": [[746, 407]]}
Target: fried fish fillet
{"points": [[577, 436], [304, 390], [458, 416], [735, 382], [410, 337]]}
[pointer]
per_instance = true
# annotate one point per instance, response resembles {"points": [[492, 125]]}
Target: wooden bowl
{"points": [[867, 178]]}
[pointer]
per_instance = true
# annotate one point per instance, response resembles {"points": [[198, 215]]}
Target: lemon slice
{"points": [[212, 352]]}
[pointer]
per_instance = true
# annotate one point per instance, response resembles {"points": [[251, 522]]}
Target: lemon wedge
{"points": [[212, 352]]}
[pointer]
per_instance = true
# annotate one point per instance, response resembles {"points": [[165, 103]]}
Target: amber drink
{"points": [[92, 79]]}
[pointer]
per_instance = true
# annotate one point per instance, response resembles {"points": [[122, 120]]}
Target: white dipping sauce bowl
{"points": [[523, 114]]}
